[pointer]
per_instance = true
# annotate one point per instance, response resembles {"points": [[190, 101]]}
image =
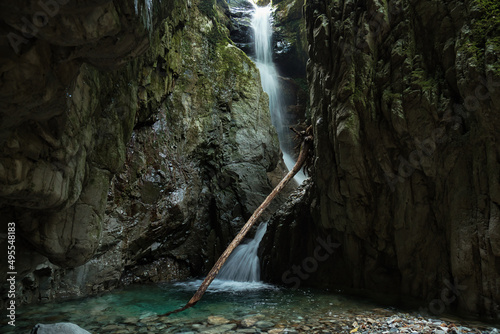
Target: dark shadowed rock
{"points": [[241, 12], [403, 102]]}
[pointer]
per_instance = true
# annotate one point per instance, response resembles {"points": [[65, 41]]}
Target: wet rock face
{"points": [[68, 108], [290, 58], [200, 169], [133, 164], [241, 24], [289, 51], [290, 39], [403, 98], [54, 128]]}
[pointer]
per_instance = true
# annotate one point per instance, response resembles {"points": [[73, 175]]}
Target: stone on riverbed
{"points": [[276, 331], [250, 320], [264, 324], [59, 328], [217, 320], [247, 330], [219, 329], [131, 320]]}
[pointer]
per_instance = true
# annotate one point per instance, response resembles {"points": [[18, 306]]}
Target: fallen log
{"points": [[305, 150]]}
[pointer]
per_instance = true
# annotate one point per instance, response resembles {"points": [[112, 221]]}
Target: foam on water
{"points": [[243, 264], [240, 273], [225, 286]]}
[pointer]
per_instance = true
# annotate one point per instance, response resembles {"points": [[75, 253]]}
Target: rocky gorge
{"points": [[136, 140], [136, 154]]}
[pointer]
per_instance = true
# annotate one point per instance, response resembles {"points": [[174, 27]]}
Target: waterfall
{"points": [[144, 9], [243, 264], [262, 26]]}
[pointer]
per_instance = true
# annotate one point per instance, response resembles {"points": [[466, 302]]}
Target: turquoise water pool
{"points": [[136, 309], [233, 300]]}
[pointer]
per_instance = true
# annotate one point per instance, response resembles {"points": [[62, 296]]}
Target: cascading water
{"points": [[241, 272], [243, 264], [263, 31]]}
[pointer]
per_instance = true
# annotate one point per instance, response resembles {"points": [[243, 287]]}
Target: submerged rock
{"points": [[219, 329], [216, 320], [264, 324]]}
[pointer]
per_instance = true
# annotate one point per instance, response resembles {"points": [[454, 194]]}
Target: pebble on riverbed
{"points": [[216, 320], [376, 321]]}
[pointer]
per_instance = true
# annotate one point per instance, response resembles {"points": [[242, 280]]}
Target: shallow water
{"points": [[135, 309], [233, 300]]}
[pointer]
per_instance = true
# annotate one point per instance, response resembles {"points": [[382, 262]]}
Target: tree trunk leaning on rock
{"points": [[305, 150]]}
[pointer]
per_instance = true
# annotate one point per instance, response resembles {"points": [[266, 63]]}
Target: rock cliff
{"points": [[405, 195], [135, 138], [290, 57]]}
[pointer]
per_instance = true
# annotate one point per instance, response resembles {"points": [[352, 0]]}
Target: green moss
{"points": [[217, 35], [485, 30], [207, 8], [262, 2], [291, 23], [488, 26], [494, 43], [358, 94], [389, 96], [473, 49], [420, 78], [303, 84]]}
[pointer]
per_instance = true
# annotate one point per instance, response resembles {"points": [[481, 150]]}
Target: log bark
{"points": [[306, 146]]}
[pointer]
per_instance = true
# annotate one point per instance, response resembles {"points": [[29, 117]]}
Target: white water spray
{"points": [[243, 264], [261, 23]]}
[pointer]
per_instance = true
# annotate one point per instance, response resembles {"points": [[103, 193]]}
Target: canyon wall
{"points": [[405, 192], [135, 141]]}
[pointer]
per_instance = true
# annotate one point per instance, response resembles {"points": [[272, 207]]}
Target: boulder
{"points": [[59, 328]]}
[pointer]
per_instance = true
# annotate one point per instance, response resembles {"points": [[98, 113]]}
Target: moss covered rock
{"points": [[290, 39], [404, 111], [139, 134]]}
